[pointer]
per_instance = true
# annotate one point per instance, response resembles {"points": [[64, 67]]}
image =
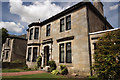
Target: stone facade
{"points": [[14, 49], [85, 18]]}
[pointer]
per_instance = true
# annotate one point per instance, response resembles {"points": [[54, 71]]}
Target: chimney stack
{"points": [[99, 6]]}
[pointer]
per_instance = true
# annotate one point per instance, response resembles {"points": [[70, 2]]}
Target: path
{"points": [[22, 73]]}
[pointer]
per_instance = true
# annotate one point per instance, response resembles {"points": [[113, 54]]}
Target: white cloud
{"points": [[12, 26], [34, 12], [114, 7]]}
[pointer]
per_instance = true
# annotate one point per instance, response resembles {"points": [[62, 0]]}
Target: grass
{"points": [[42, 76], [14, 70]]}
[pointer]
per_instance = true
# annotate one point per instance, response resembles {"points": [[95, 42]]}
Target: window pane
{"points": [[36, 33], [68, 22], [6, 55], [62, 25], [8, 42], [31, 34], [68, 53], [34, 54], [48, 30], [61, 53], [29, 54]]}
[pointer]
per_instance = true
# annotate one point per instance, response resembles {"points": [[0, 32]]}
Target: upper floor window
{"points": [[36, 35], [48, 30], [61, 25], [61, 48], [68, 53], [29, 54], [8, 42], [34, 54], [68, 22], [31, 34]]}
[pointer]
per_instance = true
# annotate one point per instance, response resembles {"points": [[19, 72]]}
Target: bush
{"points": [[64, 70], [52, 65], [107, 56], [39, 61], [25, 67], [55, 72], [62, 67]]}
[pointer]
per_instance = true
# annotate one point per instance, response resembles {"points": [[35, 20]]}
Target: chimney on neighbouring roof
{"points": [[99, 6]]}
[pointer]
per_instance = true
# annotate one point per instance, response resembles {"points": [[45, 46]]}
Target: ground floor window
{"points": [[29, 54], [68, 53], [62, 53], [34, 54]]}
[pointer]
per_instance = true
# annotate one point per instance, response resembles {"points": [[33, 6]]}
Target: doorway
{"points": [[46, 55]]}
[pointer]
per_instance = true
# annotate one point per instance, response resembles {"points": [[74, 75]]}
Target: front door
{"points": [[46, 55]]}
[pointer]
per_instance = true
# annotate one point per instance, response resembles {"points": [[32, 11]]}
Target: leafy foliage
{"points": [[52, 65], [107, 56], [64, 70], [55, 72], [4, 34], [39, 61]]}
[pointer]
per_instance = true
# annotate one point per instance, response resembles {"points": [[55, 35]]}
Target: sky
{"points": [[17, 14]]}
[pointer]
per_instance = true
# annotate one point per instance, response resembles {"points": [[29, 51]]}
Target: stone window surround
{"points": [[64, 17], [65, 52], [34, 32], [32, 52]]}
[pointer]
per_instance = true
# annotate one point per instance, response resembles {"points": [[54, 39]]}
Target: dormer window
{"points": [[48, 30], [36, 35], [31, 34]]}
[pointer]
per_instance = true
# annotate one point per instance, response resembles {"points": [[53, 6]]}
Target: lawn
{"points": [[14, 70], [42, 76]]}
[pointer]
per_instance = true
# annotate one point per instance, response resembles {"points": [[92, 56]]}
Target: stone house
{"points": [[14, 49], [65, 37]]}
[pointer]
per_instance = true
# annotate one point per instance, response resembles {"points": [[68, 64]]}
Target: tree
{"points": [[107, 56], [4, 34]]}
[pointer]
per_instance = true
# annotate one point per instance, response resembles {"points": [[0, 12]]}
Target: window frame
{"points": [[62, 25], [36, 33], [60, 52], [29, 55], [70, 53], [34, 54], [48, 29], [31, 34], [68, 21], [6, 57]]}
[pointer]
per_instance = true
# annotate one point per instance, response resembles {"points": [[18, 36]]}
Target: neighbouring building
{"points": [[65, 37], [14, 49]]}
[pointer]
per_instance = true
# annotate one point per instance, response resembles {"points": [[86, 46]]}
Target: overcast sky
{"points": [[16, 14]]}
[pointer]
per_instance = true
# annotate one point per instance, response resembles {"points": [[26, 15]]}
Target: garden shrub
{"points": [[107, 56], [25, 67], [39, 61], [55, 72], [64, 70], [52, 65]]}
